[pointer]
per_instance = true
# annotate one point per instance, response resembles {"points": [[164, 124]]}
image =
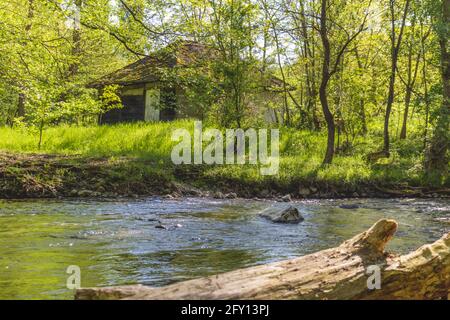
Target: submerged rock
{"points": [[283, 214], [168, 227], [218, 195], [349, 206], [145, 218], [231, 195]]}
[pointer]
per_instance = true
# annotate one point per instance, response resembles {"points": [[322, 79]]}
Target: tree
{"points": [[396, 42], [411, 73], [230, 28], [273, 25], [436, 158], [22, 95], [329, 68]]}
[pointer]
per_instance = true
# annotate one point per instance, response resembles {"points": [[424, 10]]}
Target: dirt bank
{"points": [[49, 176]]}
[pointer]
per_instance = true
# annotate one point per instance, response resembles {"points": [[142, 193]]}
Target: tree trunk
{"points": [[412, 76], [344, 272], [310, 78], [324, 84], [405, 113], [22, 96], [21, 105], [437, 162], [76, 40], [283, 76], [362, 109], [395, 49], [425, 87], [386, 142], [362, 114]]}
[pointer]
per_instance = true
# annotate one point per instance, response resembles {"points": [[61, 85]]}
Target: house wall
{"points": [[131, 91], [152, 104]]}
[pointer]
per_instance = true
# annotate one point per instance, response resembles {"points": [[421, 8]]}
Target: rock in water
{"points": [[349, 206], [283, 214], [168, 227], [231, 195]]}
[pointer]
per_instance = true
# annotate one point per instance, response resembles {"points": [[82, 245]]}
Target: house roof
{"points": [[144, 70], [181, 53]]}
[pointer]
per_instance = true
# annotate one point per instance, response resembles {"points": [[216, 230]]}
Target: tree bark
{"points": [[338, 273]]}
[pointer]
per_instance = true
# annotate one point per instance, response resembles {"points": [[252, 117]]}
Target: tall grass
{"points": [[135, 140], [301, 151]]}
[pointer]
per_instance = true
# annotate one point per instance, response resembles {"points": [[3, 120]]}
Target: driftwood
{"points": [[337, 273]]}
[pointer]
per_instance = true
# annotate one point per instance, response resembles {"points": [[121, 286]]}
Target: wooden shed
{"points": [[151, 90]]}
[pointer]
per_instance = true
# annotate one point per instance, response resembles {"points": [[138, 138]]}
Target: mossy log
{"points": [[336, 273]]}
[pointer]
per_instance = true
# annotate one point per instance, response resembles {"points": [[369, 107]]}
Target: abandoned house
{"points": [[151, 90]]}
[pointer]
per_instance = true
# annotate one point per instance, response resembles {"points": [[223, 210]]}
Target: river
{"points": [[116, 242]]}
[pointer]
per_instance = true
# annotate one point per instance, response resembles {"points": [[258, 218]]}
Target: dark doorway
{"points": [[133, 110]]}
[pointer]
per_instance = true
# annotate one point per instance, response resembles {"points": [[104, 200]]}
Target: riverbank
{"points": [[24, 175], [134, 160]]}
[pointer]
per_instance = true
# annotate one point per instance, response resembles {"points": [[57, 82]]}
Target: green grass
{"points": [[301, 153], [134, 140]]}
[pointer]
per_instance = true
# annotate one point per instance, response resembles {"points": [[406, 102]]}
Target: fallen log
{"points": [[343, 272]]}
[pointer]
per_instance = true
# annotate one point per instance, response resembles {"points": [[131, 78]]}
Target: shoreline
{"points": [[34, 176]]}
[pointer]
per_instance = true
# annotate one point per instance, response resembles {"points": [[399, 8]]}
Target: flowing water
{"points": [[119, 242]]}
